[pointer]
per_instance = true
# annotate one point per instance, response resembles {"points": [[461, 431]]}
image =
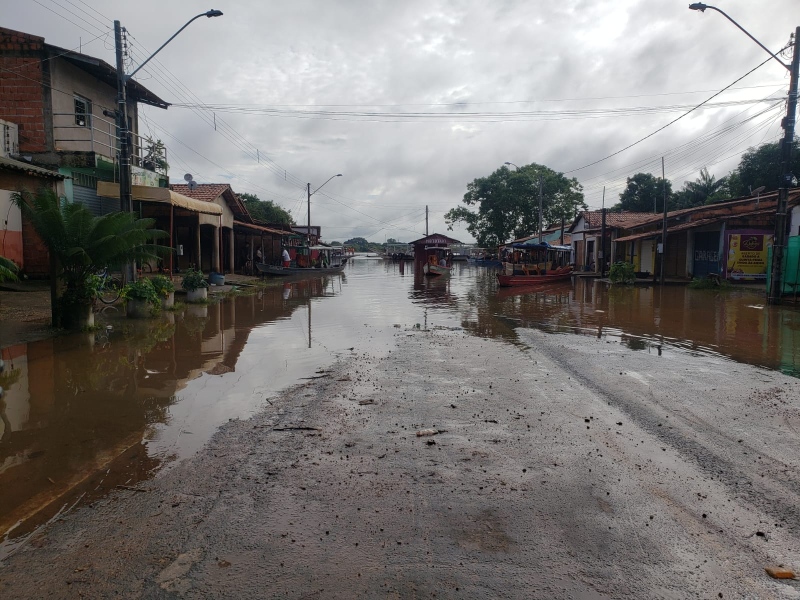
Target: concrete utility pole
{"points": [[778, 246], [776, 268], [664, 224], [603, 236], [426, 220], [541, 188]]}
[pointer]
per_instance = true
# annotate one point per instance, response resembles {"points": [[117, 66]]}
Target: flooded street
{"points": [[511, 380]]}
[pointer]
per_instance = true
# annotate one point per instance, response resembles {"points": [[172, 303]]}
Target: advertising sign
{"points": [[747, 255]]}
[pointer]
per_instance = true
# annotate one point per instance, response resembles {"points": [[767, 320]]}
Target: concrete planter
{"points": [[197, 295], [77, 316], [168, 301], [138, 309]]}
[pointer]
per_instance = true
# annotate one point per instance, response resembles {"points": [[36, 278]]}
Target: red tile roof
{"points": [[594, 218], [204, 191]]}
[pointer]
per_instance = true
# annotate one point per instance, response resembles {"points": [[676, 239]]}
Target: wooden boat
{"points": [[316, 260], [280, 271], [534, 264], [439, 261]]}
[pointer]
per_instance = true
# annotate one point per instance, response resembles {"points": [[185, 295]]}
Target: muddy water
{"points": [[87, 413]]}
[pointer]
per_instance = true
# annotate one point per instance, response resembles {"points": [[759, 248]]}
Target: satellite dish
{"points": [[758, 190], [192, 185], [187, 177]]}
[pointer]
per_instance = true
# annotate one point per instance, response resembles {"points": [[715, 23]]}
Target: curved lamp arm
{"points": [[320, 187], [702, 7], [209, 14]]}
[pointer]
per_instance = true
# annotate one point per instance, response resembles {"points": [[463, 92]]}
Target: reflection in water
{"points": [[82, 414], [85, 413]]}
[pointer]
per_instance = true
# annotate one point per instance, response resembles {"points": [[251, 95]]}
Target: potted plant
{"points": [[140, 298], [195, 284], [165, 290], [81, 244]]}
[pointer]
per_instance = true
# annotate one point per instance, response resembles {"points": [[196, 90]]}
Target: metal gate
{"points": [[706, 253], [89, 198]]}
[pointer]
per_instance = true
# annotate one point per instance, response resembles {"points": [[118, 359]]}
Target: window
{"points": [[83, 112]]}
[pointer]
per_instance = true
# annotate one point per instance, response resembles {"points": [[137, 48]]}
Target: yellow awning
{"points": [[146, 193]]}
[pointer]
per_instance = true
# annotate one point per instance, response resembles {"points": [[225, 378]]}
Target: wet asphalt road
{"points": [[569, 467]]}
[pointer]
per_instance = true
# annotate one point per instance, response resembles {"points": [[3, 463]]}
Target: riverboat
{"points": [[439, 261], [316, 260], [532, 263]]}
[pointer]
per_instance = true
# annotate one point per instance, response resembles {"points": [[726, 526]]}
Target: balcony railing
{"points": [[100, 136]]}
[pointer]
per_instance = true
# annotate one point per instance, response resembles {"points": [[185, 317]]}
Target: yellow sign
{"points": [[747, 256]]}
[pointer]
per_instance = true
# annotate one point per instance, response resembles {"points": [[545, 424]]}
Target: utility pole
{"points": [[603, 236], [308, 230], [426, 220], [125, 189], [541, 188], [776, 276], [664, 224]]}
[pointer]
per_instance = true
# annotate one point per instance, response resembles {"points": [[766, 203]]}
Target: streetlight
{"points": [[775, 287], [125, 191], [310, 193]]}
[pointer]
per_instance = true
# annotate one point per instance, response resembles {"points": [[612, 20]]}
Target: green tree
{"points": [[265, 210], [8, 269], [762, 166], [706, 189], [642, 192], [360, 244], [505, 205], [80, 244]]}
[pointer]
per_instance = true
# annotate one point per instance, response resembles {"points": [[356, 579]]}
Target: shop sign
{"points": [[747, 255]]}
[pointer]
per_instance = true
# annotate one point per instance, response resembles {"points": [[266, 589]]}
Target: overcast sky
{"points": [[412, 100]]}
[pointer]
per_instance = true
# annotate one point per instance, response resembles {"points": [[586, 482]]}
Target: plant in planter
{"points": [[8, 269], [81, 244], [622, 272], [141, 298], [155, 156], [165, 290], [195, 284]]}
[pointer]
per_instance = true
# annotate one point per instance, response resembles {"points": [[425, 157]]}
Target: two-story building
{"points": [[63, 103]]}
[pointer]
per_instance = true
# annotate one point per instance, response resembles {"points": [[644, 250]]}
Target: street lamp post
{"points": [[125, 141], [776, 285], [310, 193]]}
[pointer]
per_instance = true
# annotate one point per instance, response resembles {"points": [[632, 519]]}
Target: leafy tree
{"points": [[706, 189], [360, 244], [265, 210], [391, 241], [505, 204], [81, 244], [8, 269], [642, 192], [762, 166]]}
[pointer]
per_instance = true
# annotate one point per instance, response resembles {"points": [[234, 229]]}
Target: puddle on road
{"points": [[87, 413]]}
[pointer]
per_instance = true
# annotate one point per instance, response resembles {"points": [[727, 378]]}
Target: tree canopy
{"points": [[505, 204], [265, 210], [762, 166], [643, 193]]}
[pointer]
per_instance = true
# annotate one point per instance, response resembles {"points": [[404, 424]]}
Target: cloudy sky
{"points": [[412, 100]]}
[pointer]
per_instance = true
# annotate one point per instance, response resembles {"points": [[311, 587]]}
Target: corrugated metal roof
{"points": [[18, 165]]}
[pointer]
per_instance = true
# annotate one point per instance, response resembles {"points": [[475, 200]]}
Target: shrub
{"points": [[193, 280], [163, 285], [141, 289], [622, 272]]}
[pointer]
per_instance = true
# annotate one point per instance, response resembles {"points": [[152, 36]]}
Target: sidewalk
{"points": [[25, 312]]}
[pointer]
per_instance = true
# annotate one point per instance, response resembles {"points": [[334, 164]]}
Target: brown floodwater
{"points": [[86, 413]]}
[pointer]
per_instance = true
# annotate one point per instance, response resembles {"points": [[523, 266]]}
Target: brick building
{"points": [[63, 103]]}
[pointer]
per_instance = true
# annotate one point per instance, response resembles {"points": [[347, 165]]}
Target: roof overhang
{"points": [[103, 71], [262, 229], [28, 169], [144, 193]]}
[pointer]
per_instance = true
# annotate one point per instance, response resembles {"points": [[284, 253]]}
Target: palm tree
{"points": [[8, 269], [80, 244]]}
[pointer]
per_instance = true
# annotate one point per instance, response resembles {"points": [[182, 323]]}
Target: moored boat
{"points": [[439, 261], [316, 260], [532, 263]]}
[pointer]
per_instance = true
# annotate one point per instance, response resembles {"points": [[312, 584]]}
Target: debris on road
{"points": [[779, 573]]}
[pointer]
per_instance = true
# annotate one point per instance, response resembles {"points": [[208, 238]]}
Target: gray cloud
{"points": [[486, 56]]}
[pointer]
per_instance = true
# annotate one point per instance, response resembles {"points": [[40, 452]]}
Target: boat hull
{"points": [[277, 271], [530, 280], [435, 270]]}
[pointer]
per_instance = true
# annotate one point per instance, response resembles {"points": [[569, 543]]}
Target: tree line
{"points": [[505, 204]]}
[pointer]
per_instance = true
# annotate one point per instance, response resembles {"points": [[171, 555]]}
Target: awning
{"points": [[144, 193], [261, 228]]}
